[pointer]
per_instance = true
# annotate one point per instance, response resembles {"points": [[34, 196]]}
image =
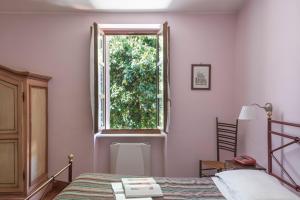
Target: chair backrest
{"points": [[226, 137]]}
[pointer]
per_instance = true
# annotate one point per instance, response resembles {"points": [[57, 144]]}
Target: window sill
{"points": [[132, 135], [130, 131]]}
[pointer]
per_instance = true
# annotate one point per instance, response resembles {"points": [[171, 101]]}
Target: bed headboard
{"points": [[271, 157]]}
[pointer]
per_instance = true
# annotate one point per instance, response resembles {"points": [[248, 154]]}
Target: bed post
{"points": [[70, 175], [269, 144]]}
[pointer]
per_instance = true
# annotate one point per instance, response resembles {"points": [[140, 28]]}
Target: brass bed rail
{"points": [[52, 178]]}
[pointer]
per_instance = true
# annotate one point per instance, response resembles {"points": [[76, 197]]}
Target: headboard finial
{"points": [[71, 157]]}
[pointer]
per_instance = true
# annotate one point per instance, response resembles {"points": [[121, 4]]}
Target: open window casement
{"points": [[163, 80], [97, 77]]}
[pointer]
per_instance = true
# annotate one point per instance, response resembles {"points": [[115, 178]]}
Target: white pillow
{"points": [[255, 185]]}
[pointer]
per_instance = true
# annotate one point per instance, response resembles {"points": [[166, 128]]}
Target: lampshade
{"points": [[247, 113]]}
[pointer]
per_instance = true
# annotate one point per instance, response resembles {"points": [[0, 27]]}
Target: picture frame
{"points": [[201, 77]]}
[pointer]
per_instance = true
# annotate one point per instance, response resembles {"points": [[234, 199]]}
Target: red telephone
{"points": [[245, 160]]}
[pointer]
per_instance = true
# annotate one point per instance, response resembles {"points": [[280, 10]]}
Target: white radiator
{"points": [[130, 159]]}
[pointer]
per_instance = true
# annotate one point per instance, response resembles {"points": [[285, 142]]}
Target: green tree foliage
{"points": [[132, 61]]}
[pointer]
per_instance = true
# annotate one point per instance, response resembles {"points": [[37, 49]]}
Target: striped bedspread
{"points": [[94, 186]]}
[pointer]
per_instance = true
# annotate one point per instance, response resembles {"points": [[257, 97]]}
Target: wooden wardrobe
{"points": [[23, 132]]}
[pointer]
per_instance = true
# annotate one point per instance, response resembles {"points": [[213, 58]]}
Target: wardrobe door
{"points": [[11, 179], [38, 134]]}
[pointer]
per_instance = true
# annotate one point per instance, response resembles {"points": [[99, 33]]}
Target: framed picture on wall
{"points": [[201, 77]]}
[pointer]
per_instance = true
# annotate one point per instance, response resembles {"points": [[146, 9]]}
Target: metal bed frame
{"points": [[294, 140], [69, 166]]}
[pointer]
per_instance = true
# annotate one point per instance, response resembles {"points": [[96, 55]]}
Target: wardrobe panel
{"points": [[8, 107], [8, 163], [38, 133]]}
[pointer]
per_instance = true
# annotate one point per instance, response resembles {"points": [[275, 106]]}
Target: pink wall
{"points": [[267, 70], [58, 45], [255, 60]]}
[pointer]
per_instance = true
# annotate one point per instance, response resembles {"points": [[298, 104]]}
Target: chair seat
{"points": [[226, 141], [208, 164]]}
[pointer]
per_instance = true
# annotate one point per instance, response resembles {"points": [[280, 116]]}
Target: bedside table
{"points": [[232, 165]]}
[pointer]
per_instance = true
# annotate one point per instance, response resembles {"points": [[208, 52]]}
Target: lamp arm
{"points": [[268, 108], [255, 104]]}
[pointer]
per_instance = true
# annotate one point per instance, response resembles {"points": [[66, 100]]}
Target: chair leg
{"points": [[200, 168]]}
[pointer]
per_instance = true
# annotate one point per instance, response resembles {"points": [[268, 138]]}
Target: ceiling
{"points": [[205, 6]]}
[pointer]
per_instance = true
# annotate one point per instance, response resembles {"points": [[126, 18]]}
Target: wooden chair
{"points": [[226, 140]]}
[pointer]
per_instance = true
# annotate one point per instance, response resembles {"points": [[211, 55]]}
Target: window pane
{"points": [[101, 49], [161, 48], [101, 80], [160, 82], [160, 96], [133, 87], [160, 113], [101, 113], [101, 99]]}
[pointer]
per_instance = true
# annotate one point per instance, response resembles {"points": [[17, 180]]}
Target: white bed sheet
{"points": [[223, 188]]}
